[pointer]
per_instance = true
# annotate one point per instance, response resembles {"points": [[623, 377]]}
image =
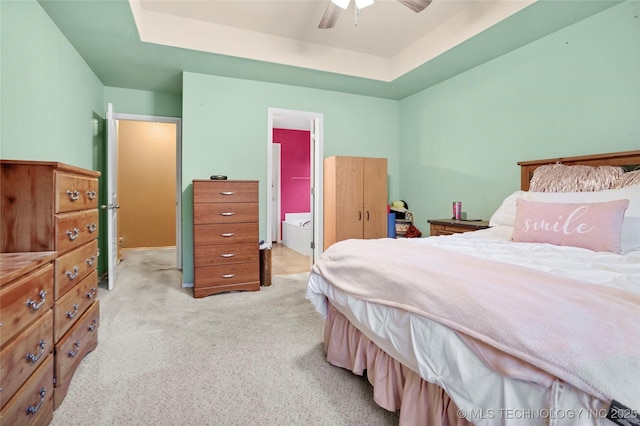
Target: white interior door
{"points": [[317, 186], [312, 201], [112, 198], [275, 198]]}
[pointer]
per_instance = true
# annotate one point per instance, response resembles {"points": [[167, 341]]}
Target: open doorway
{"points": [[148, 167], [298, 123]]}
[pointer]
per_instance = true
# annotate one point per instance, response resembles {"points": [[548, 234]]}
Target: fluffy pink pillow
{"points": [[594, 226]]}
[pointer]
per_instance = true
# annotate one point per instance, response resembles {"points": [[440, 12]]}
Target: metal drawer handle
{"points": [[73, 195], [93, 325], [228, 234], [91, 195], [73, 275], [32, 409], [92, 227], [227, 214], [228, 275], [73, 353], [72, 315], [73, 234], [91, 293], [227, 255], [34, 358], [35, 306], [92, 260], [227, 193]]}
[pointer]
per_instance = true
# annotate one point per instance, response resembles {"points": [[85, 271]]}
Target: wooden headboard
{"points": [[627, 159]]}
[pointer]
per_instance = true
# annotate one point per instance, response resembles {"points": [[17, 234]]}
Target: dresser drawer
{"points": [[32, 404], [225, 213], [454, 226], [225, 191], [74, 229], [25, 300], [218, 279], [72, 267], [207, 276], [81, 339], [75, 192], [228, 233], [224, 254], [445, 230], [20, 358], [73, 304]]}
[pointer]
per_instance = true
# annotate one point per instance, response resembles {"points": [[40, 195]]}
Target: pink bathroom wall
{"points": [[295, 169]]}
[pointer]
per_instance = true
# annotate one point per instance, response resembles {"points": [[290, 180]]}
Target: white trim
{"points": [[276, 190]]}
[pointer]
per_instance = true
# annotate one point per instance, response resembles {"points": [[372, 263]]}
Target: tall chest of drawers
{"points": [[51, 206], [26, 338], [225, 236]]}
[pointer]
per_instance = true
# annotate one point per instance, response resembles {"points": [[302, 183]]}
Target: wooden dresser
{"points": [[225, 236], [26, 338], [50, 206], [453, 226]]}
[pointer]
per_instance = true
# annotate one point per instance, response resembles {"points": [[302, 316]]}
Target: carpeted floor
{"points": [[245, 358]]}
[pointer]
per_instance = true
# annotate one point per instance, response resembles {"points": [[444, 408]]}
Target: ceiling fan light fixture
{"points": [[341, 3], [361, 4], [332, 12]]}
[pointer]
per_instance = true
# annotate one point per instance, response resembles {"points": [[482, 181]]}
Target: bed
{"points": [[511, 325], [296, 232]]}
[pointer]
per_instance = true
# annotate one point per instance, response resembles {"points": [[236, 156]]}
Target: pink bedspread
{"points": [[395, 387], [584, 334]]}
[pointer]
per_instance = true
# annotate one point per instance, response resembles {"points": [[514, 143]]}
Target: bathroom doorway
{"points": [[296, 124]]}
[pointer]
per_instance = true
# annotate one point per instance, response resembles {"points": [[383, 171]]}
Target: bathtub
{"points": [[296, 232]]}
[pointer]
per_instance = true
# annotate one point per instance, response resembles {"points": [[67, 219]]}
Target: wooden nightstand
{"points": [[452, 226]]}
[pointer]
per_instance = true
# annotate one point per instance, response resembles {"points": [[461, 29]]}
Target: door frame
{"points": [[317, 148], [178, 122], [276, 189]]}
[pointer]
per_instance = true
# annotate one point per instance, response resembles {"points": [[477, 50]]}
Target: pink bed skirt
{"points": [[395, 387]]}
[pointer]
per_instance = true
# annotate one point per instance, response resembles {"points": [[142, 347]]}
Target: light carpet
{"points": [[243, 358]]}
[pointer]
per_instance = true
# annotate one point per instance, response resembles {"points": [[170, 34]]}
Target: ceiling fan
{"points": [[332, 12]]}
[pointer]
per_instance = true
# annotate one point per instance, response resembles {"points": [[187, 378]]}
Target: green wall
{"points": [[50, 97], [574, 92], [225, 132], [52, 105], [143, 102]]}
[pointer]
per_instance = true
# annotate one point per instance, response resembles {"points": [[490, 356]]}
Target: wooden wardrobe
{"points": [[355, 198]]}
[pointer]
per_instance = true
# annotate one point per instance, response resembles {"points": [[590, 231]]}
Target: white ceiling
{"points": [[391, 53], [387, 41]]}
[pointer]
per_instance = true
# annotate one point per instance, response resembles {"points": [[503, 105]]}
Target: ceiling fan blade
{"points": [[416, 5], [330, 17]]}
